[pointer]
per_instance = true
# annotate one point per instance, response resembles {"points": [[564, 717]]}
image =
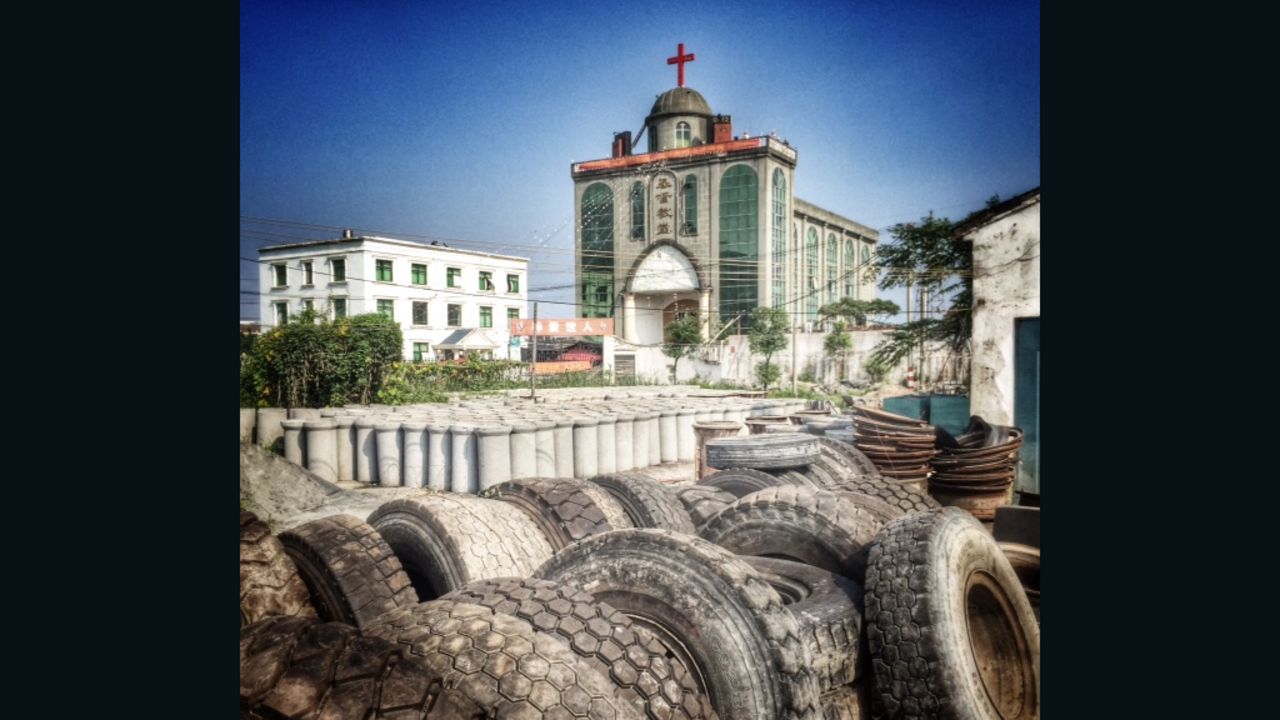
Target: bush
{"points": [[767, 374]]}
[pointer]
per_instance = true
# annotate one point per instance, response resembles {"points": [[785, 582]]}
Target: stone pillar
{"points": [[463, 477], [705, 432], [585, 461], [624, 435], [248, 416], [322, 450], [293, 440], [439, 452], [655, 438], [415, 454], [388, 442], [493, 450], [524, 450], [607, 445], [686, 441], [544, 447], [704, 313], [366, 450], [564, 435], [629, 318], [640, 440], [668, 435], [268, 427], [344, 447]]}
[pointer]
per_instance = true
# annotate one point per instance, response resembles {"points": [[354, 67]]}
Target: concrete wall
{"points": [[1006, 286]]}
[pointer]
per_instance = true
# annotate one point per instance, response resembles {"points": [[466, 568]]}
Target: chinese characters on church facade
{"points": [[664, 204]]}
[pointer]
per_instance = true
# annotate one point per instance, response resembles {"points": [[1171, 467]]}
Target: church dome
{"points": [[680, 101]]}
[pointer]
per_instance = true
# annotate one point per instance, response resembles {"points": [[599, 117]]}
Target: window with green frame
{"points": [[420, 313], [419, 273], [339, 268], [282, 313], [596, 258], [420, 351], [339, 308], [384, 271], [513, 313], [513, 283], [387, 308], [833, 266], [282, 275], [486, 281], [779, 237], [739, 244], [453, 277], [486, 316], [637, 211], [455, 315], [306, 273], [690, 225], [850, 271], [811, 288]]}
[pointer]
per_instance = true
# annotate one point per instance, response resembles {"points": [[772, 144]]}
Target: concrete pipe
{"points": [[686, 441], [366, 450], [463, 476], [304, 414], [439, 452], [667, 431], [607, 445], [705, 432], [493, 451], [564, 447], [585, 460], [268, 428], [344, 438], [322, 448], [248, 416], [388, 442], [640, 440], [544, 447], [415, 453], [624, 435], [293, 440], [524, 450], [655, 438]]}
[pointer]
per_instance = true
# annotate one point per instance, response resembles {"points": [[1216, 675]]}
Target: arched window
{"points": [[866, 254], [684, 135], [851, 272], [833, 267], [811, 288], [637, 211], [739, 244], [779, 237], [690, 226], [596, 258]]}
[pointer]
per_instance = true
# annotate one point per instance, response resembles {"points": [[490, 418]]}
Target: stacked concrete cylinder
{"points": [[387, 433], [564, 454], [366, 450], [686, 441], [585, 459], [322, 448], [625, 436], [439, 455], [414, 459], [668, 436], [640, 439], [248, 416], [293, 440], [463, 466], [493, 451], [524, 450], [607, 444], [545, 447], [267, 427], [344, 443]]}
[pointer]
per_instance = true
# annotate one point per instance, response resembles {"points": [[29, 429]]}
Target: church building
{"points": [[706, 222]]}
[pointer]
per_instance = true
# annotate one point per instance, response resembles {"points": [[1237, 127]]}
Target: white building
{"points": [[432, 291]]}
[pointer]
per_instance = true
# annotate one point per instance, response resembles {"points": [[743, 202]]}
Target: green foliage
{"points": [[809, 374], [409, 383], [877, 370], [315, 362], [686, 337], [856, 312], [838, 341], [769, 327], [767, 374]]}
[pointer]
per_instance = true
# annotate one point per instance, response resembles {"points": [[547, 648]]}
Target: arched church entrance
{"points": [[663, 286]]}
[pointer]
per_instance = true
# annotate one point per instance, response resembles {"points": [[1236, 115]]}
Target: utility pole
{"points": [[794, 325], [533, 364]]}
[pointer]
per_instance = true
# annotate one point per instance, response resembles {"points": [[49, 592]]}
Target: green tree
{"points": [[838, 343], [856, 312], [768, 335], [685, 336], [927, 255]]}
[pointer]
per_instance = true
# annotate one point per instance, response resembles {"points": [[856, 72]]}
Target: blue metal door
{"points": [[1026, 399]]}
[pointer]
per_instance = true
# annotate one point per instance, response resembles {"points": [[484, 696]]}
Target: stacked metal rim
{"points": [[899, 446], [977, 472]]}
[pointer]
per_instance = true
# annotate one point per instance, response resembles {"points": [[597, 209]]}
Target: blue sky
{"points": [[460, 120]]}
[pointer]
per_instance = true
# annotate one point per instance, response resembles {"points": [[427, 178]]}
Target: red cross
{"points": [[679, 60]]}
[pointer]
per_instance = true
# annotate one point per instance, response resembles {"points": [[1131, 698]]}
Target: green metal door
{"points": [[1026, 399]]}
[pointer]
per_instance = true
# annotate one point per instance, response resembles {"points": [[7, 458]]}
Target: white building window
{"points": [[282, 275], [282, 313], [306, 274], [684, 135], [338, 270]]}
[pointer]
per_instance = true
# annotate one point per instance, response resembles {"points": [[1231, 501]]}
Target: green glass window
{"points": [[420, 313], [420, 351], [282, 275], [282, 313], [739, 245], [637, 211], [339, 270], [339, 308], [453, 277], [811, 288], [513, 313], [384, 271], [419, 273], [486, 316], [486, 281], [833, 267], [387, 307], [455, 315], [779, 238], [866, 254], [596, 258], [850, 271], [513, 283], [306, 273], [684, 135], [690, 226]]}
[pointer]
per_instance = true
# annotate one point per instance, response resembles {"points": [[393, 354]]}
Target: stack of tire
{"points": [[572, 598]]}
